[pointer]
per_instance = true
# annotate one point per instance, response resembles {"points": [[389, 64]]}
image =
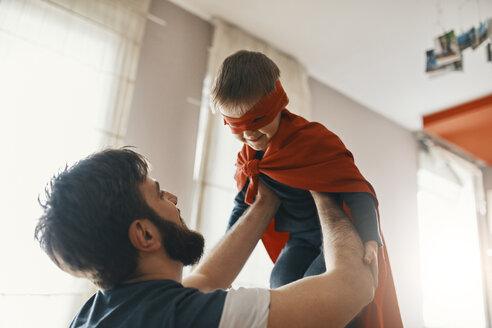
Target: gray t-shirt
{"points": [[166, 303]]}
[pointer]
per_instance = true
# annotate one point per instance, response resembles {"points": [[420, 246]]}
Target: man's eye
{"points": [[162, 193], [258, 119]]}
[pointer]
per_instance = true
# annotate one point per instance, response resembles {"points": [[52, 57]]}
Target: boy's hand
{"points": [[371, 257]]}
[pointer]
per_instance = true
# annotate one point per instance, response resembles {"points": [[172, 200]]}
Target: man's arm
{"points": [[333, 298], [222, 265]]}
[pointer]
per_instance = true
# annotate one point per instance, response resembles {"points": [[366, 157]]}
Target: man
{"points": [[107, 220]]}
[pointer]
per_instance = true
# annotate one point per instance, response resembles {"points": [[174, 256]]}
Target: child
{"points": [[293, 157]]}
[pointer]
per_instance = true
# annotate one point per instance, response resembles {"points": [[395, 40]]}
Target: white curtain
{"points": [[67, 72], [453, 235], [217, 149]]}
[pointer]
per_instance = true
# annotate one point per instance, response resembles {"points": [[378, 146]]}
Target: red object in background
{"points": [[467, 126]]}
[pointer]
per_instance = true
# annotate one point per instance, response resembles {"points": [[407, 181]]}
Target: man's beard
{"points": [[179, 242]]}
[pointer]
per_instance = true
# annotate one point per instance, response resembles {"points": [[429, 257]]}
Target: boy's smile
{"points": [[256, 142]]}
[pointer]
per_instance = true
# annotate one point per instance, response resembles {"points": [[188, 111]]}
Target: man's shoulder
{"points": [[158, 303]]}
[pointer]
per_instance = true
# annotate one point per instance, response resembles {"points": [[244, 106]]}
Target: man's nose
{"points": [[173, 198]]}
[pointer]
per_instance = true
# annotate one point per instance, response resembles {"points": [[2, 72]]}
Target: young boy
{"points": [[293, 156]]}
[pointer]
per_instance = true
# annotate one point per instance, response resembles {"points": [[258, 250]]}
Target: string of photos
{"points": [[447, 54]]}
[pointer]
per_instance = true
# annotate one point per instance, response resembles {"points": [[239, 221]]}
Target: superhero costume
{"points": [[306, 155]]}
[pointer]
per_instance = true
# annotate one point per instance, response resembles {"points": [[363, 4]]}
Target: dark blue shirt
{"points": [[298, 212], [154, 303]]}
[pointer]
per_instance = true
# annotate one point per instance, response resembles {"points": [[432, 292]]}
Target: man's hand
{"points": [[371, 258]]}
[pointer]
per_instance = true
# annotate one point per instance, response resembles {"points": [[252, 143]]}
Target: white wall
{"points": [[163, 125], [386, 154], [163, 120]]}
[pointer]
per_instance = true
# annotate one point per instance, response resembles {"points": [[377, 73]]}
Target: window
{"points": [[450, 245], [61, 77]]}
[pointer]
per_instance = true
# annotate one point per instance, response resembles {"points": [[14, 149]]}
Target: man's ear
{"points": [[144, 236]]}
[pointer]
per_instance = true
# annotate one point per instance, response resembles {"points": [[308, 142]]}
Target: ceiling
{"points": [[371, 51]]}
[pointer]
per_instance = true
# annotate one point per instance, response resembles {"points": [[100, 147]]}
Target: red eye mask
{"points": [[260, 114]]}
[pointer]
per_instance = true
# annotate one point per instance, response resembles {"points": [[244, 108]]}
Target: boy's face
{"points": [[256, 139]]}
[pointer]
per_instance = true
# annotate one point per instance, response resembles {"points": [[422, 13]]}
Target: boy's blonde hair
{"points": [[243, 78]]}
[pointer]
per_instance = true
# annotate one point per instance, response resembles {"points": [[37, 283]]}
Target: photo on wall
{"points": [[482, 32], [446, 56], [467, 39], [433, 64], [447, 48]]}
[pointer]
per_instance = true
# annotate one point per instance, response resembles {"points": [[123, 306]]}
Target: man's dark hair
{"points": [[88, 210], [244, 77]]}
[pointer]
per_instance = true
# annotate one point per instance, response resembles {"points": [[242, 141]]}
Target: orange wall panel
{"points": [[467, 126]]}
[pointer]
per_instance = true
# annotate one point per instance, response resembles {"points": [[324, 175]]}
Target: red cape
{"points": [[308, 156]]}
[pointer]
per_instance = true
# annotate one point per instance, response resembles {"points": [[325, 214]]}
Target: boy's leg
{"points": [[317, 266], [291, 264], [297, 255]]}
